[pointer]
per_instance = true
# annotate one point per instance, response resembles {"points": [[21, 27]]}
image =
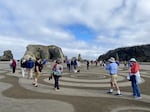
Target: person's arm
{"points": [[37, 69]]}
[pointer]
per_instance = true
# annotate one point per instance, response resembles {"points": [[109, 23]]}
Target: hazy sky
{"points": [[88, 27]]}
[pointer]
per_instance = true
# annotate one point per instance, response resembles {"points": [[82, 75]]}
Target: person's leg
{"points": [[14, 68], [117, 88], [116, 84], [30, 73], [137, 89], [57, 82], [55, 85], [133, 84], [22, 70], [69, 67], [111, 84], [35, 82]]}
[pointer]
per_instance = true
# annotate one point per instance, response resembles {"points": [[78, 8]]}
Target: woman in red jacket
{"points": [[134, 74], [13, 65]]}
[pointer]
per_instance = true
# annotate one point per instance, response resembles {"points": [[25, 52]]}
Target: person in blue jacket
{"points": [[29, 66], [112, 67]]}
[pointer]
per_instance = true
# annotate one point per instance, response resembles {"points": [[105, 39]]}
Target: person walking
{"points": [[29, 66], [13, 65], [135, 78], [57, 72], [87, 64], [68, 61], [112, 67], [37, 71], [23, 66]]}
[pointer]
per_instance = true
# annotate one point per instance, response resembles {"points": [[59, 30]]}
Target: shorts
{"points": [[113, 78], [37, 74]]}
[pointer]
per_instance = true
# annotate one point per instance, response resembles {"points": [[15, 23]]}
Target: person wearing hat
{"points": [[135, 78], [112, 67]]}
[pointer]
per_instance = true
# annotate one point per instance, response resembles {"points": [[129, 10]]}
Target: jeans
{"points": [[135, 87], [56, 84]]}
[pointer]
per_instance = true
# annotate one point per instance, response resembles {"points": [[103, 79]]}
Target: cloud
{"points": [[107, 24], [16, 44]]}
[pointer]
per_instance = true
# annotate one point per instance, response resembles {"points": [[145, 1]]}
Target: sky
{"points": [[87, 27]]}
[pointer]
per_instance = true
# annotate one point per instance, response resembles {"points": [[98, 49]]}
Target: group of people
{"points": [[36, 67], [73, 65], [57, 69], [134, 76]]}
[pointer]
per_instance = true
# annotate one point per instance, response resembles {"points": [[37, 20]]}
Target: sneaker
{"points": [[138, 98], [109, 92], [35, 85], [50, 77], [118, 94], [57, 89]]}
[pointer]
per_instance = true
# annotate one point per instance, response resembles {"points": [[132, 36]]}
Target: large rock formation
{"points": [[51, 52], [141, 53], [6, 56]]}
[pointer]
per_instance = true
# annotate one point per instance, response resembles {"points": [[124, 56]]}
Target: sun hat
{"points": [[112, 59], [133, 60]]}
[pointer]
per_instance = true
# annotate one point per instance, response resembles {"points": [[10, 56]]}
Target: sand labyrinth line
{"points": [[25, 83], [131, 109], [86, 84]]}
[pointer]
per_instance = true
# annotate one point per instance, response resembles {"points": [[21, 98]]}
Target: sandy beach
{"points": [[85, 91]]}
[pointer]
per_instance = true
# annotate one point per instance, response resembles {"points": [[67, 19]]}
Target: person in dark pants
{"points": [[56, 84], [87, 63], [57, 72], [13, 64], [135, 78]]}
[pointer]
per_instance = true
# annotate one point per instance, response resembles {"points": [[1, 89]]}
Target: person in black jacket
{"points": [[37, 70], [23, 66]]}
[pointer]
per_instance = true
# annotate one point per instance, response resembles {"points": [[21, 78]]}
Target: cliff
{"points": [[6, 56], [51, 52], [141, 53]]}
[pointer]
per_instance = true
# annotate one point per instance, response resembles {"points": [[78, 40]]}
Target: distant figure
{"points": [[37, 70], [87, 64], [75, 65], [13, 65], [135, 78], [68, 64], [72, 65], [112, 67], [125, 63], [29, 66], [23, 66], [78, 66], [96, 63]]}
